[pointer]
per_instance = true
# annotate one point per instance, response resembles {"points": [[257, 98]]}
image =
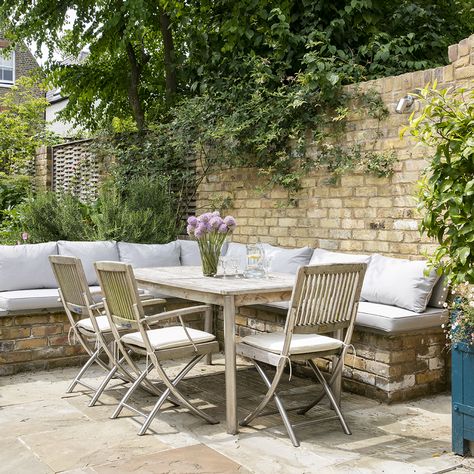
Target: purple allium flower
{"points": [[204, 217], [190, 229], [223, 229], [192, 221], [198, 233], [216, 214], [24, 236], [215, 222], [230, 222]]}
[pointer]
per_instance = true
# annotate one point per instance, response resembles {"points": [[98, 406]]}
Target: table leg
{"points": [[230, 365]]}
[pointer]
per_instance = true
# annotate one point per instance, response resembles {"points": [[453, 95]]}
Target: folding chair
{"points": [[93, 332], [324, 300], [124, 308]]}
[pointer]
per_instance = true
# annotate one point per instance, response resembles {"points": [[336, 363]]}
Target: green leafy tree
{"points": [[446, 194], [22, 126]]}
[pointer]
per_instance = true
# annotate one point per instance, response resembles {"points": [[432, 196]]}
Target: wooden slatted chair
{"points": [[324, 300], [124, 308], [93, 330]]}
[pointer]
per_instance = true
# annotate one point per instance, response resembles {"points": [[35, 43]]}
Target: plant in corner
{"points": [[210, 230], [446, 201]]}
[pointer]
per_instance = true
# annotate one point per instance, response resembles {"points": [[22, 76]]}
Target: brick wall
{"points": [[36, 341], [362, 213], [24, 62]]}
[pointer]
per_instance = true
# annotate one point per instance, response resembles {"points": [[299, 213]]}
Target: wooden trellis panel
{"points": [[75, 170]]}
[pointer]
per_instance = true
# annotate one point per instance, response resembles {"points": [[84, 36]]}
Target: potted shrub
{"points": [[446, 201]]}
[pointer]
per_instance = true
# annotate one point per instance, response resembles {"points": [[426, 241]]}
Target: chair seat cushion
{"points": [[393, 319], [85, 325], [300, 343], [44, 298], [169, 338]]}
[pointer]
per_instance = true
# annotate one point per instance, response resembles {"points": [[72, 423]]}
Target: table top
{"points": [[191, 278]]}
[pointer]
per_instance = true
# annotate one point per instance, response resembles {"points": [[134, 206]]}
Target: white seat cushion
{"points": [[300, 343], [393, 319], [29, 299], [45, 298], [168, 338], [86, 324]]}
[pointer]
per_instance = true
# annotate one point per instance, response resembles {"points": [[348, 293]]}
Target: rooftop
{"points": [[45, 430]]}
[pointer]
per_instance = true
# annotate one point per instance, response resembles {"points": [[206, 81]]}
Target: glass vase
{"points": [[210, 253]]}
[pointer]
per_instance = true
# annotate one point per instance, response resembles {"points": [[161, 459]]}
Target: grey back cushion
{"points": [[239, 252], [287, 260], [439, 294], [323, 257], [25, 267], [90, 252], [398, 282], [150, 255], [190, 255]]}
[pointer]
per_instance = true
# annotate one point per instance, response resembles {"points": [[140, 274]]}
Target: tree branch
{"points": [[133, 95]]}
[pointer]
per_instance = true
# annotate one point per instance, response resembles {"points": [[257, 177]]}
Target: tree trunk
{"points": [[169, 57], [133, 95]]}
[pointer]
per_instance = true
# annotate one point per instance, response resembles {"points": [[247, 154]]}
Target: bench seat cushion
{"points": [[26, 300], [393, 319], [384, 317]]}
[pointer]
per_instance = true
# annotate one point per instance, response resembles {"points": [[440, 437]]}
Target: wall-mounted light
{"points": [[404, 104]]}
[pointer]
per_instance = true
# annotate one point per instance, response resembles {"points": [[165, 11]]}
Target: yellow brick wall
{"points": [[362, 213]]}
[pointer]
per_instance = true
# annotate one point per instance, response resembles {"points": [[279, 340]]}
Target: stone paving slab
{"points": [[45, 430]]}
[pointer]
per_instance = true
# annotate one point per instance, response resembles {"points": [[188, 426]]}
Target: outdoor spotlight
{"points": [[404, 104]]}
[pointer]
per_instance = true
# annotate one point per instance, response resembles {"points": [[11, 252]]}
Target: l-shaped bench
{"points": [[398, 338]]}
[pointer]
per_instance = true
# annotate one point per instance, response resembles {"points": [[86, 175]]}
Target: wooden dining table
{"points": [[229, 293]]}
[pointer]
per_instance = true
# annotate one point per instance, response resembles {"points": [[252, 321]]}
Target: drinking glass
{"points": [[234, 266], [267, 263], [224, 265]]}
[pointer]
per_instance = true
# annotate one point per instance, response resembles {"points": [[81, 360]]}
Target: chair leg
{"points": [[336, 375], [166, 393], [268, 396], [134, 386], [104, 383], [181, 398], [280, 406], [93, 358], [331, 396]]}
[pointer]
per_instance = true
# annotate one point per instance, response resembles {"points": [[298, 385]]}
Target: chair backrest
{"points": [[72, 283], [325, 298], [119, 287]]}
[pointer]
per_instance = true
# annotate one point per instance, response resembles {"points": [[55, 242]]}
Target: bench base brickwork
{"points": [[39, 341], [386, 367], [35, 342]]}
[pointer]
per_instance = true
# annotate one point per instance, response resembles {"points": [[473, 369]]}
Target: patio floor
{"points": [[45, 430]]}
